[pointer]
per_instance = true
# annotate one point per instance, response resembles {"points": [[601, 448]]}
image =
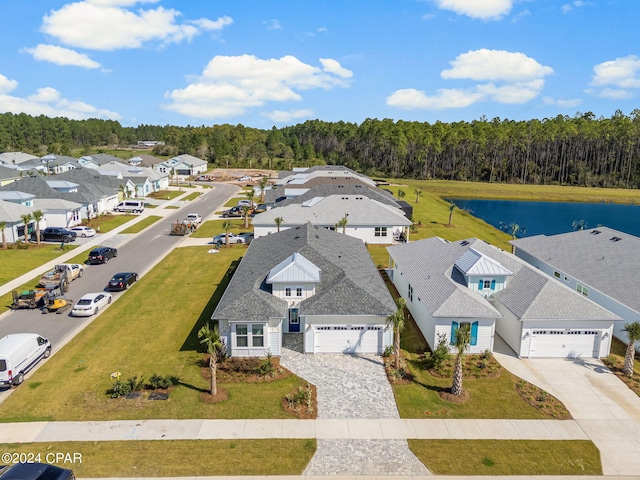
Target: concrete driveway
{"points": [[604, 407]]}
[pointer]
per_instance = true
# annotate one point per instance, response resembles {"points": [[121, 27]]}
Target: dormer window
{"points": [[287, 292], [298, 292]]}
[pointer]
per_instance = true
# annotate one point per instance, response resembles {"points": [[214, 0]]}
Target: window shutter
{"points": [[480, 284], [474, 333], [454, 332], [493, 284]]}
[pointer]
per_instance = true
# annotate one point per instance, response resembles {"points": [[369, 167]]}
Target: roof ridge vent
{"points": [[615, 239], [595, 232]]}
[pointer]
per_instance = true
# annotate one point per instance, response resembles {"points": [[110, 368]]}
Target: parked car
{"points": [[135, 206], [244, 178], [205, 178], [55, 234], [248, 237], [233, 238], [233, 212], [102, 255], [84, 232], [192, 218], [90, 303], [122, 281], [244, 203], [19, 353], [35, 471], [66, 272]]}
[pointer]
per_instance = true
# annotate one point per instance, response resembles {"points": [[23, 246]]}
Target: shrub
{"points": [[302, 398], [266, 365], [388, 351], [135, 384], [119, 389], [158, 381], [441, 352]]}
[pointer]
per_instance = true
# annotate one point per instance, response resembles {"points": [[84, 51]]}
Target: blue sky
{"points": [[265, 63]]}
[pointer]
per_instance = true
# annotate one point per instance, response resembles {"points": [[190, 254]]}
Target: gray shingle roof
{"points": [[608, 266], [349, 282], [324, 190]]}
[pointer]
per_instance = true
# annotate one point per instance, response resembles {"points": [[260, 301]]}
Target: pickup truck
{"points": [[56, 234], [55, 276], [192, 218]]}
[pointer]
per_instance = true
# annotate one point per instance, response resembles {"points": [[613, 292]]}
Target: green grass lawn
{"points": [[165, 194], [142, 224], [106, 223], [151, 329], [179, 458], [15, 262], [508, 457], [192, 196], [212, 228]]}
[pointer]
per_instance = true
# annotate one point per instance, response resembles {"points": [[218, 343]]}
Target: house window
{"points": [[257, 335], [380, 231], [487, 284], [287, 292], [242, 338], [410, 293], [298, 292], [583, 290], [556, 274], [473, 339]]}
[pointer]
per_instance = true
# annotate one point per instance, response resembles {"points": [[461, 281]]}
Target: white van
{"points": [[136, 206], [19, 353]]}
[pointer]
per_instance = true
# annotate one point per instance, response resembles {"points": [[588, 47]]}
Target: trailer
{"points": [[183, 228], [28, 298]]}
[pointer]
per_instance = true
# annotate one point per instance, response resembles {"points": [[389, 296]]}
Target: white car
{"points": [[244, 178], [83, 232], [233, 238], [244, 203], [90, 304], [192, 218]]}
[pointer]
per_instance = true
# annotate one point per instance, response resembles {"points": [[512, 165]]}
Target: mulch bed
{"points": [[447, 396], [221, 396], [632, 382], [301, 411], [245, 370], [542, 401], [476, 366]]}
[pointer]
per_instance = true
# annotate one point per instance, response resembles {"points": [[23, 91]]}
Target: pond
{"points": [[551, 218]]}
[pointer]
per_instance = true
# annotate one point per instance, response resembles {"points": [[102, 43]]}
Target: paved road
{"points": [[136, 252]]}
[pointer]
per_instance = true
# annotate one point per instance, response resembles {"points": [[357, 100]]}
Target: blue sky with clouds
{"points": [[265, 63]]}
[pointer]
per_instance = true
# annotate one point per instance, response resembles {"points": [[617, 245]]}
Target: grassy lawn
{"points": [[148, 331], [106, 223], [212, 228], [615, 362], [508, 457], [165, 194], [192, 196], [15, 262], [141, 225], [179, 458]]}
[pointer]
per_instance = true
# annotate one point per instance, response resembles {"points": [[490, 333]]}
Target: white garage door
{"points": [[565, 343], [348, 339]]}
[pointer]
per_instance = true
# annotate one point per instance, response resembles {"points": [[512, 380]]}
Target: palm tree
{"points": [[633, 334], [210, 337], [3, 225], [245, 213], [397, 321], [401, 194], [26, 219], [452, 207], [38, 216], [250, 195], [418, 192], [461, 342], [512, 229], [263, 184], [343, 223], [579, 225], [278, 221], [226, 226]]}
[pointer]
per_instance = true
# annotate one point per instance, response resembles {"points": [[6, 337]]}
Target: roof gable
{"points": [[474, 263], [294, 269]]}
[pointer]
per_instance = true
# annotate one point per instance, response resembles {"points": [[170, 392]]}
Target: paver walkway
{"points": [[352, 387]]}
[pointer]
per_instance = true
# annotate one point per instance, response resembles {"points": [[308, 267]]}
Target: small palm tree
{"points": [[263, 184], [3, 225], [26, 219], [210, 337], [461, 342], [401, 194], [226, 226], [452, 207], [245, 213], [38, 216], [343, 223], [633, 334], [250, 196], [278, 221], [397, 321], [512, 229], [578, 225], [418, 192]]}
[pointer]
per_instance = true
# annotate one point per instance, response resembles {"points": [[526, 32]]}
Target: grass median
{"points": [[142, 224], [151, 329]]}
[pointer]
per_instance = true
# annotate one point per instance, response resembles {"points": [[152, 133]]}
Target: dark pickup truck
{"points": [[56, 234], [34, 471]]}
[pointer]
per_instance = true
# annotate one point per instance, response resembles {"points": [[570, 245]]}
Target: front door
{"points": [[294, 321]]}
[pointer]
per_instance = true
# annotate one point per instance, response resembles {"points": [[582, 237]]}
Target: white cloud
{"points": [[618, 78], [569, 103], [230, 85], [272, 24], [280, 116], [109, 25], [61, 56], [567, 7], [512, 78], [48, 101], [482, 9]]}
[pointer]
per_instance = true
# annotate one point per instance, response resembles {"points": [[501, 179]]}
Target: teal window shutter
{"points": [[454, 332], [474, 333], [493, 284], [480, 284]]}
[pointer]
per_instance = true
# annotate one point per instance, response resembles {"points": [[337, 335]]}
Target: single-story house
{"points": [[144, 160], [59, 212], [11, 213], [599, 263], [183, 166], [447, 284], [369, 220], [15, 158], [309, 281], [9, 175], [97, 160]]}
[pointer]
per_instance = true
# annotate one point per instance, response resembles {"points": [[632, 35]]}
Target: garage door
{"points": [[565, 343], [348, 339]]}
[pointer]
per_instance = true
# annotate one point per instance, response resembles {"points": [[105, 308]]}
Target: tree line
{"points": [[580, 150]]}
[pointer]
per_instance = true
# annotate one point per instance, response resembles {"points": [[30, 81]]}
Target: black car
{"points": [[102, 255], [233, 212], [35, 471], [55, 234], [122, 281]]}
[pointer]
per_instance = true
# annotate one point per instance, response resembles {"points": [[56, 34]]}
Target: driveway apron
{"points": [[604, 407], [353, 386]]}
